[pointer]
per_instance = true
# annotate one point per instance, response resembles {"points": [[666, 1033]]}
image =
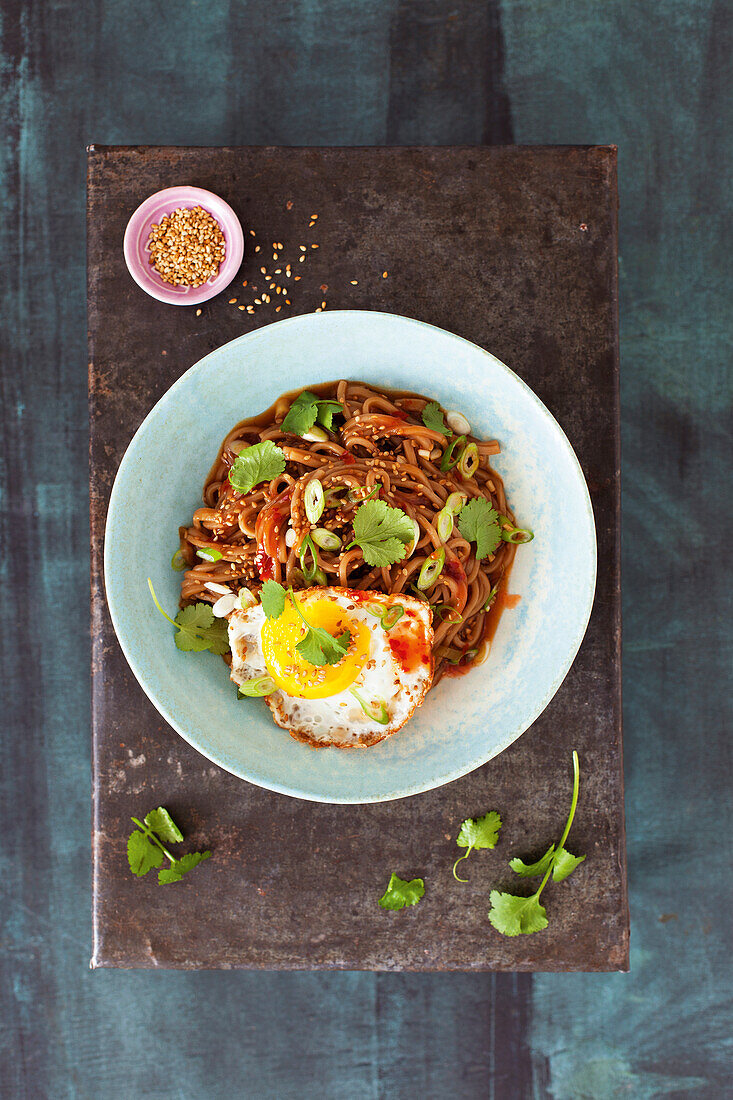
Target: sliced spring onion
{"points": [[455, 502], [374, 493], [178, 562], [444, 524], [444, 609], [320, 577], [514, 534], [261, 685], [491, 597], [376, 710], [313, 498], [388, 616], [468, 462], [327, 540], [315, 435], [309, 570], [209, 554], [333, 495], [410, 547], [420, 595], [447, 462], [246, 598], [451, 655], [457, 422], [431, 569]]}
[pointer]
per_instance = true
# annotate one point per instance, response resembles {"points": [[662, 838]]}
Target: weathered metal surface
{"points": [[514, 248]]}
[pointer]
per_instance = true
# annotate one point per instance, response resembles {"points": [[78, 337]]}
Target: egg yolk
{"points": [[298, 677]]}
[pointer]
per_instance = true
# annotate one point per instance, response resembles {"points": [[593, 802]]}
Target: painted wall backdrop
{"points": [[652, 76]]}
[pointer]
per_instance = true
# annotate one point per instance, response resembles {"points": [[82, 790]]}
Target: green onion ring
{"points": [[380, 715], [444, 524], [258, 687], [455, 502], [314, 500], [447, 462], [514, 534], [178, 562], [469, 461], [327, 540], [209, 554], [432, 567], [388, 616]]}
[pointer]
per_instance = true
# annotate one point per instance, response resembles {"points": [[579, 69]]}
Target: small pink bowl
{"points": [[137, 256]]}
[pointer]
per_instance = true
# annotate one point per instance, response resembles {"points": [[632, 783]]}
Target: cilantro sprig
{"points": [[260, 462], [432, 418], [400, 892], [477, 833], [146, 850], [478, 522], [382, 532], [306, 410], [318, 647], [513, 915], [196, 627]]}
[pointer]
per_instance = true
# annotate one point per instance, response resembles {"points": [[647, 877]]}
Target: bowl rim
{"points": [[232, 261], [407, 789]]}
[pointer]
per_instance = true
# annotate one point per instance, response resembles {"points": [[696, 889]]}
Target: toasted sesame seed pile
{"points": [[187, 247]]}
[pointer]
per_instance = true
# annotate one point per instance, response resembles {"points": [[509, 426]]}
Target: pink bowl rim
{"points": [[164, 202]]}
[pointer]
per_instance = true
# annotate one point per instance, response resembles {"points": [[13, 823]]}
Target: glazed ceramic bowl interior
{"points": [[463, 722]]}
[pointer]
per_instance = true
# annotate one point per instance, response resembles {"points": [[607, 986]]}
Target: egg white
{"points": [[338, 719]]}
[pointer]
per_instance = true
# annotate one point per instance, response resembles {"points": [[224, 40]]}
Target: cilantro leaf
{"points": [[321, 648], [479, 832], [529, 870], [479, 522], [306, 409], [382, 532], [326, 412], [161, 822], [261, 462], [145, 849], [272, 596], [432, 417], [142, 854], [198, 630], [301, 415], [318, 647], [344, 639], [181, 866], [564, 864], [515, 916], [400, 893]]}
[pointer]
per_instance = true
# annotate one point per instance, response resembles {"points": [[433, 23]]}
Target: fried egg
{"points": [[369, 694]]}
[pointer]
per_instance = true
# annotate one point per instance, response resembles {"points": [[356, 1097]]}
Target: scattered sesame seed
{"points": [[324, 287], [323, 305], [258, 302], [314, 217], [302, 248], [263, 270], [277, 309], [300, 259], [272, 286], [384, 274], [289, 204], [274, 255], [278, 271], [319, 310], [287, 303], [232, 301], [266, 298], [241, 307], [315, 246], [245, 282], [252, 233], [250, 309], [354, 282], [297, 278], [257, 248]]}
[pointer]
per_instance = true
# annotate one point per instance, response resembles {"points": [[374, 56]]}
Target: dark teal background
{"points": [[653, 77]]}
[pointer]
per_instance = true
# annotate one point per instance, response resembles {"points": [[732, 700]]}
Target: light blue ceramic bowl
{"points": [[464, 722]]}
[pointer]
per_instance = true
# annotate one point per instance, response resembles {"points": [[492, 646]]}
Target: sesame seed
{"points": [[287, 301], [315, 246], [252, 233], [302, 248], [278, 271], [244, 283], [232, 301], [354, 282], [289, 204], [241, 307], [314, 217], [297, 278], [257, 248], [300, 259], [384, 274], [323, 305], [263, 270], [258, 302], [274, 255], [272, 286], [277, 309], [198, 312]]}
